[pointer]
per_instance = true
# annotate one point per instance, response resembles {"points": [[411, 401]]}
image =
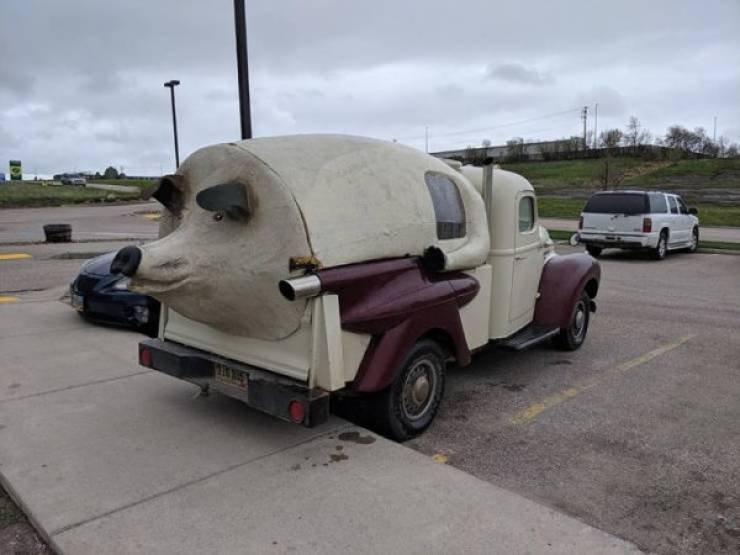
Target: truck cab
{"points": [[299, 271]]}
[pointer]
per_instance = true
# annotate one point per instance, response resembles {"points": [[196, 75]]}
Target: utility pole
{"points": [[242, 67], [426, 139], [596, 122], [171, 85], [584, 116], [714, 134]]}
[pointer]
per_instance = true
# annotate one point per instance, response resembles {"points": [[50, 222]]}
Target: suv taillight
{"points": [[580, 222], [647, 225]]}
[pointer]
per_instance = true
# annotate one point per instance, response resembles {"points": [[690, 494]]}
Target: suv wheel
{"points": [[661, 249], [573, 336], [593, 251], [409, 405], [694, 240]]}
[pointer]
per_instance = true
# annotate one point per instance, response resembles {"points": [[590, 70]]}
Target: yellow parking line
{"points": [[153, 216], [14, 255], [8, 299], [531, 412]]}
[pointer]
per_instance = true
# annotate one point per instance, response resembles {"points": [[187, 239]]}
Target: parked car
{"points": [[101, 295], [654, 221], [295, 270], [74, 180]]}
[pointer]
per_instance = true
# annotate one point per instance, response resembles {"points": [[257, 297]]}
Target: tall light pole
{"points": [[171, 85], [242, 66]]}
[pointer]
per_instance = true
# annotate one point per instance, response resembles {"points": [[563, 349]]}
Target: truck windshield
{"points": [[617, 203]]}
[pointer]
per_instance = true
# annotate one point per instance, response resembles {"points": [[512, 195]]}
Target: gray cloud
{"points": [[86, 91], [517, 73]]}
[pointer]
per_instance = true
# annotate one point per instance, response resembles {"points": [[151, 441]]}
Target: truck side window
{"points": [[448, 207], [526, 214], [674, 206], [657, 203]]}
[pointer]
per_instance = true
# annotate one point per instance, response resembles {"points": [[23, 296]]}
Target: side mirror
{"points": [[693, 211]]}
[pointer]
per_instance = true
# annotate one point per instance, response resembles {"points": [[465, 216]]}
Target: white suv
{"points": [[654, 221]]}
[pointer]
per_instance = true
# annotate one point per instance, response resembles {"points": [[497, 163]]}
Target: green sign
{"points": [[16, 173]]}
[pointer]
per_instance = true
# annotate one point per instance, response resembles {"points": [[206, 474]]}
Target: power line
{"points": [[484, 129]]}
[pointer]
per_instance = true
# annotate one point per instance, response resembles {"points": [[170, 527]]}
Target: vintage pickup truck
{"points": [[293, 269]]}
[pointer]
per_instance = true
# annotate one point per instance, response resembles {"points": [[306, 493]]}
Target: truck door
{"points": [[528, 261]]}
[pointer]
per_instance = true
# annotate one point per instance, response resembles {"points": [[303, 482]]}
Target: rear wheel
{"points": [[661, 249], [694, 240], [573, 336], [594, 251], [409, 405]]}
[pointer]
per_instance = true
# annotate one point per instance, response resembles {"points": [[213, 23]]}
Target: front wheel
{"points": [[694, 240], [573, 336], [409, 405]]}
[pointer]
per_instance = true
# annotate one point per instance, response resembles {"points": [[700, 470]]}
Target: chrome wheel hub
{"points": [[579, 320], [418, 389]]}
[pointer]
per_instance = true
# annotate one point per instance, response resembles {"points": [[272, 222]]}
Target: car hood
{"points": [[100, 265]]}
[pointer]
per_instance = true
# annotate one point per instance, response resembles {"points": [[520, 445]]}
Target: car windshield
{"points": [[617, 203]]}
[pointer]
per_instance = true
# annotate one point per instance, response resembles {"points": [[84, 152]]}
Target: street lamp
{"points": [[171, 85]]}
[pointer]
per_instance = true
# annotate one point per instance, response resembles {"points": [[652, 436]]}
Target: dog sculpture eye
{"points": [[231, 199], [218, 216]]}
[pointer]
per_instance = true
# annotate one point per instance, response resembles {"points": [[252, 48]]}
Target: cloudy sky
{"points": [[81, 80]]}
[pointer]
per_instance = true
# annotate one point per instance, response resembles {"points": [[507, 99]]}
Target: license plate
{"points": [[230, 376], [77, 302]]}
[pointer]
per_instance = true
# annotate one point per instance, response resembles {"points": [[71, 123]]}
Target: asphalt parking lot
{"points": [[635, 434]]}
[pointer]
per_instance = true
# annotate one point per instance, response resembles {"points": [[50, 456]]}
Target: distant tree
{"points": [[474, 155], [610, 138], [110, 173], [98, 175], [732, 151], [515, 149], [121, 175], [635, 135]]}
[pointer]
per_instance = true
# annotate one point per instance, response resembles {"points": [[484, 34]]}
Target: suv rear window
{"points": [[618, 203]]}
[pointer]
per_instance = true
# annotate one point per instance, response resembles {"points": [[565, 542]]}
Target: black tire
{"points": [[694, 240], [594, 251], [397, 411], [661, 250], [573, 336]]}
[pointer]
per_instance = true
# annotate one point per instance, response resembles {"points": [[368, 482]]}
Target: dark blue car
{"points": [[99, 295]]}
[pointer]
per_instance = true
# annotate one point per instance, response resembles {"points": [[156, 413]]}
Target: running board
{"points": [[528, 337]]}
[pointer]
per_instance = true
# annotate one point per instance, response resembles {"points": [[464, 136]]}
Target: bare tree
{"points": [[632, 132], [609, 139], [515, 149]]}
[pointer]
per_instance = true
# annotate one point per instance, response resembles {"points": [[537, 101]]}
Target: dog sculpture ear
{"points": [[231, 198], [168, 192]]}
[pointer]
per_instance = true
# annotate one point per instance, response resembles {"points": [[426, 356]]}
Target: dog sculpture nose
{"points": [[126, 261]]}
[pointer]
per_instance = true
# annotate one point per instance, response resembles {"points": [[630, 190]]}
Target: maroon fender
{"points": [[563, 279], [397, 301]]}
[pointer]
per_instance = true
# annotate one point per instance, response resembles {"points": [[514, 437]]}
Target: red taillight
{"points": [[647, 225], [145, 357], [297, 411], [580, 222]]}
